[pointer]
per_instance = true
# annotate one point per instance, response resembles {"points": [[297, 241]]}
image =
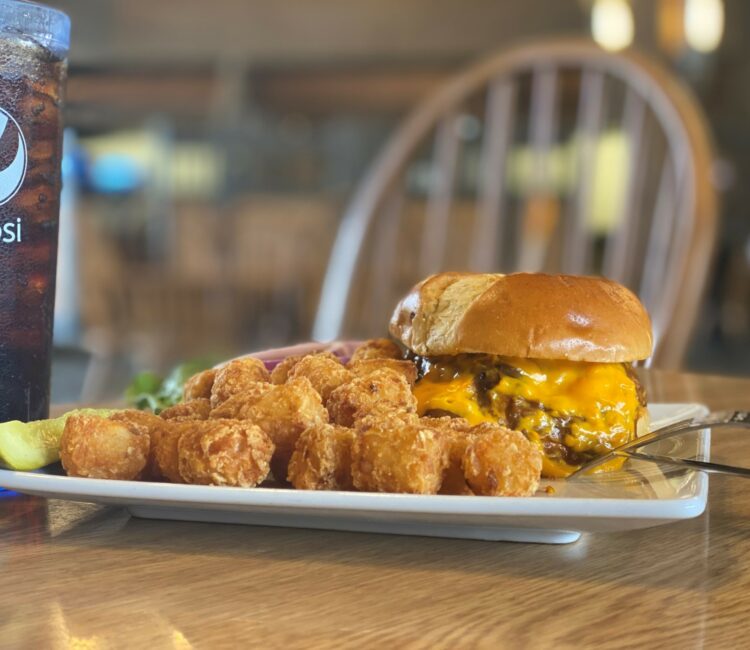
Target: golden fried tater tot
{"points": [[137, 421], [224, 452], [165, 461], [235, 377], [376, 349], [283, 413], [199, 385], [194, 409], [238, 406], [447, 425], [322, 459], [501, 462], [325, 373], [280, 373], [96, 447], [382, 391], [365, 367], [391, 455], [143, 422], [456, 433]]}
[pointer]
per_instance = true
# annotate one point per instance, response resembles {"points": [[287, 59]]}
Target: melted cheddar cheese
{"points": [[583, 409]]}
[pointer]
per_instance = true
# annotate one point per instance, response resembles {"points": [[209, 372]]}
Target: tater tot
{"points": [[391, 455], [376, 349], [382, 391], [199, 385], [165, 461], [325, 373], [456, 433], [283, 413], [280, 373], [501, 462], [194, 409], [224, 452], [322, 459], [96, 447], [143, 422], [137, 421], [235, 376], [365, 367], [238, 406]]}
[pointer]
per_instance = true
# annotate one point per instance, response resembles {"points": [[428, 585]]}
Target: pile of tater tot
{"points": [[312, 421]]}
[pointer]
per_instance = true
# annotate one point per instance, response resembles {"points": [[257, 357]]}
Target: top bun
{"points": [[531, 315]]}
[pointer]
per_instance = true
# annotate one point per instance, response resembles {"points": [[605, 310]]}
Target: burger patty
{"points": [[515, 409], [511, 410]]}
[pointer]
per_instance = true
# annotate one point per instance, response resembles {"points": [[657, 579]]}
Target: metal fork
{"points": [[715, 420]]}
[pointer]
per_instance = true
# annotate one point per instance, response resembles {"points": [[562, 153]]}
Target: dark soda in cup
{"points": [[33, 57]]}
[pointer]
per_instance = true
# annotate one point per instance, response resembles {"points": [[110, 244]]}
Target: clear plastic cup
{"points": [[34, 43]]}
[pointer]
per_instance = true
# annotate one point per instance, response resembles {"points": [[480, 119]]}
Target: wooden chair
{"points": [[280, 247], [555, 156]]}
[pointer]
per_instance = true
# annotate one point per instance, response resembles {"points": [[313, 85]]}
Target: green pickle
{"points": [[32, 445]]}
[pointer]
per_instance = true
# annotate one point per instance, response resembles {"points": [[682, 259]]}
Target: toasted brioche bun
{"points": [[531, 315]]}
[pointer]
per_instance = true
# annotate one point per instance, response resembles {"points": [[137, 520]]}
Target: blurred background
{"points": [[212, 149]]}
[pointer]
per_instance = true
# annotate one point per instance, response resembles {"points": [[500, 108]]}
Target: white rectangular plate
{"points": [[639, 496]]}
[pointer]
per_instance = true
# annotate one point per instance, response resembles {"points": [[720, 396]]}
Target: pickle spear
{"points": [[32, 445]]}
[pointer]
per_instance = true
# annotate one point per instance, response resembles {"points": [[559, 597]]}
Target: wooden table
{"points": [[84, 576]]}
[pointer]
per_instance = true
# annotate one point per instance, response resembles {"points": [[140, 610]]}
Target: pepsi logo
{"points": [[13, 157]]}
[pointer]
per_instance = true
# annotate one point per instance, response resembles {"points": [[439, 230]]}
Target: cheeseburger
{"points": [[548, 355]]}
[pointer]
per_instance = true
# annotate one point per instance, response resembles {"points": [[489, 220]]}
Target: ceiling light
{"points": [[612, 24], [704, 24]]}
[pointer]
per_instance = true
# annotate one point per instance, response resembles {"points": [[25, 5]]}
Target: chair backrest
{"points": [[555, 156]]}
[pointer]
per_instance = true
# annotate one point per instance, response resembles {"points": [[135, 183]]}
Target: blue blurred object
{"points": [[115, 174]]}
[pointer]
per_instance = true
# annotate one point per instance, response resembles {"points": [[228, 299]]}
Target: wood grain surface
{"points": [[85, 576]]}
